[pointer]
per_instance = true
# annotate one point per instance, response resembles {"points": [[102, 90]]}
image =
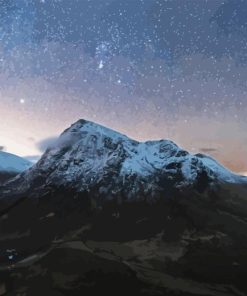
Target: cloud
{"points": [[208, 150], [46, 143], [31, 139], [57, 142]]}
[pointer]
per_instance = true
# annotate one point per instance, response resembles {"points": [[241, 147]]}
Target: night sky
{"points": [[151, 69]]}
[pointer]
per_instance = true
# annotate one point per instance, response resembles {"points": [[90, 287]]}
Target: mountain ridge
{"points": [[12, 163], [88, 155]]}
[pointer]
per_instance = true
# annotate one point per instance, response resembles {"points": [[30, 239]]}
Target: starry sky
{"points": [[152, 69]]}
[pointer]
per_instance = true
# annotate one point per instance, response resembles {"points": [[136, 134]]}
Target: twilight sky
{"points": [[151, 69]]}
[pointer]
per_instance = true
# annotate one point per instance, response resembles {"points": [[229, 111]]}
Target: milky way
{"points": [[150, 69]]}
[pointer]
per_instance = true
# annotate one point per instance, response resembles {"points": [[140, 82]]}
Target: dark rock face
{"points": [[5, 176]]}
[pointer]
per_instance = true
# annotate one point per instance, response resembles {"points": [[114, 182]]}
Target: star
{"points": [[101, 65]]}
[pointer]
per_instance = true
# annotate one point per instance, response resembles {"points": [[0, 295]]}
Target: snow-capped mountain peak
{"points": [[90, 156], [11, 163]]}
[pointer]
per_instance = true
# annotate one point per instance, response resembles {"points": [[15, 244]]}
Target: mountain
{"points": [[88, 155], [102, 213], [11, 165]]}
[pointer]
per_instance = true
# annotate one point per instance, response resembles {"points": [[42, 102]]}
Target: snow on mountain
{"points": [[89, 156], [223, 173], [11, 163]]}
